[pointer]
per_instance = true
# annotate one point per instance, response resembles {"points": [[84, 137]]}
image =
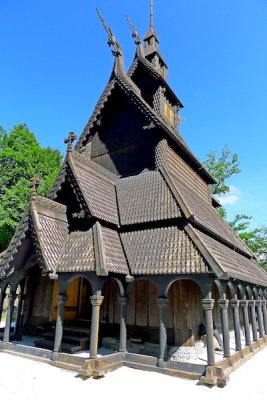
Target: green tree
{"points": [[222, 167], [22, 158]]}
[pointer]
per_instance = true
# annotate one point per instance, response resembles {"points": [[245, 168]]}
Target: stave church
{"points": [[127, 261]]}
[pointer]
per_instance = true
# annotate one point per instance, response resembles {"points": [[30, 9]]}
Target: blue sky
{"points": [[55, 63]]}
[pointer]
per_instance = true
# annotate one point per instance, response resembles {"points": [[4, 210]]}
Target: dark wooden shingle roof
{"points": [[206, 216], [78, 253], [233, 264], [162, 251], [97, 186], [145, 198]]}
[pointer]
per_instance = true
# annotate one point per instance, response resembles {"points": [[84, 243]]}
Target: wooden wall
{"points": [[185, 312]]}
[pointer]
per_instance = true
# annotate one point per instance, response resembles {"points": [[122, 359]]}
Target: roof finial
{"points": [[117, 51], [151, 14], [34, 184], [70, 139], [135, 35]]}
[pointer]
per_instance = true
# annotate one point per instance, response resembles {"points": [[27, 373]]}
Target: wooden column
{"points": [[61, 299], [251, 304], [96, 301], [260, 321], [10, 308], [2, 299], [223, 304], [235, 306], [123, 329], [244, 305], [208, 305], [17, 332], [264, 315], [163, 305]]}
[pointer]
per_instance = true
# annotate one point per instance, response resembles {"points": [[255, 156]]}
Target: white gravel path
{"points": [[30, 380]]}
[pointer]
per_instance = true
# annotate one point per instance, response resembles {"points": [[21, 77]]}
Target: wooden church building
{"points": [[128, 252]]}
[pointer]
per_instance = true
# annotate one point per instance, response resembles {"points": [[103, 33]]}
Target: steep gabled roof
{"points": [[145, 198], [50, 230], [45, 221], [162, 251], [97, 186], [138, 61], [98, 249], [7, 257], [204, 214], [226, 262], [128, 86], [78, 253]]}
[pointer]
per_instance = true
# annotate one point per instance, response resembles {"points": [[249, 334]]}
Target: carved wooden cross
{"points": [[34, 184], [70, 139]]}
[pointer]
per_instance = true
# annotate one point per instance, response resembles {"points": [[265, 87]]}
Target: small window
{"points": [[169, 113]]}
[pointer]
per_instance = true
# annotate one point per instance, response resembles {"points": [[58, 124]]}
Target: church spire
{"points": [[151, 14], [151, 46]]}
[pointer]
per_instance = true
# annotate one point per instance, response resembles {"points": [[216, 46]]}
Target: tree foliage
{"points": [[222, 167], [22, 158]]}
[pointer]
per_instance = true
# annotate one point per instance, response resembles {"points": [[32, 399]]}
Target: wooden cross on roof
{"points": [[34, 184], [70, 139]]}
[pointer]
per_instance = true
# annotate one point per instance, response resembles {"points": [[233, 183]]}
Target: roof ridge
{"points": [[95, 168], [15, 242], [99, 105]]}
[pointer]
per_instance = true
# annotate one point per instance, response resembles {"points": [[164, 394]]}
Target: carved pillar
{"points": [[223, 304], [244, 305], [235, 306], [2, 299], [10, 308], [163, 305], [61, 299], [260, 321], [96, 301], [208, 305], [264, 315], [17, 333], [123, 329], [251, 304]]}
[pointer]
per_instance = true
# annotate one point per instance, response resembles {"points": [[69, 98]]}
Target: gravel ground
{"points": [[30, 380]]}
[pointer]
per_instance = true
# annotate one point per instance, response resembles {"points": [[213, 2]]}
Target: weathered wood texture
{"points": [[176, 165], [120, 140], [216, 310], [38, 298], [185, 312], [142, 307], [110, 308], [78, 300]]}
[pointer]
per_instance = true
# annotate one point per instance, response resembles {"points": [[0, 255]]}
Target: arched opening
{"points": [[78, 304], [185, 314]]}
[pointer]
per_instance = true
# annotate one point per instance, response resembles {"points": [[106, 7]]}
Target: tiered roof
{"points": [[159, 221]]}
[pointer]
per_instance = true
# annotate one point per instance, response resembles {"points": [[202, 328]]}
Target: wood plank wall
{"points": [[184, 313]]}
